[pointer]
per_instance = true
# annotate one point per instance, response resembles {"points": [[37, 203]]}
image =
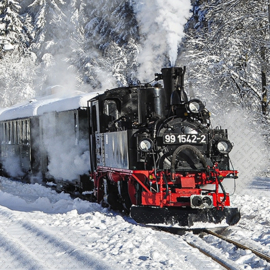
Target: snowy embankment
{"points": [[41, 229]]}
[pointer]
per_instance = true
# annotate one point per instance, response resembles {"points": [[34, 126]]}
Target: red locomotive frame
{"points": [[160, 193]]}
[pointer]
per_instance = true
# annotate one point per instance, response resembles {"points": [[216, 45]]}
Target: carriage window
{"points": [[2, 134], [15, 141], [110, 109], [18, 132], [27, 124], [9, 132], [5, 132], [23, 132], [12, 133]]}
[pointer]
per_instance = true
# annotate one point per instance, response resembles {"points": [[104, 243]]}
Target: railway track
{"points": [[259, 254], [217, 255]]}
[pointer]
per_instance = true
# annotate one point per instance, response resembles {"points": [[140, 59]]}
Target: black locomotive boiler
{"points": [[150, 151]]}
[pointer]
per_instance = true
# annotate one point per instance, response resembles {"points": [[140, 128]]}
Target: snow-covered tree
{"points": [[16, 79], [54, 32], [12, 34], [16, 61], [224, 49], [50, 31], [110, 36]]}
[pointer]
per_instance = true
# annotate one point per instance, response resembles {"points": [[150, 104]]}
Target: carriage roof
{"points": [[46, 104]]}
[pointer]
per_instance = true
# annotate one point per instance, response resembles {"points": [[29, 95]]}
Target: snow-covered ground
{"points": [[41, 229]]}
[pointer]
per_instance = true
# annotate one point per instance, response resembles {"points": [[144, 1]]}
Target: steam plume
{"points": [[161, 24]]}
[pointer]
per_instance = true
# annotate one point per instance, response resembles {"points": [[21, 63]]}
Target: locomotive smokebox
{"points": [[173, 79]]}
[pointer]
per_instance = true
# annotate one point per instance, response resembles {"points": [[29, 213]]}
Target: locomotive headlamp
{"points": [[224, 146], [145, 145], [195, 106]]}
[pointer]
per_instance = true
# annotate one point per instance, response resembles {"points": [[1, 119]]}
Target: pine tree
{"points": [[12, 35], [16, 63], [50, 26]]}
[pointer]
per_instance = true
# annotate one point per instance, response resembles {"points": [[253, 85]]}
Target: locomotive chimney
{"points": [[173, 79]]}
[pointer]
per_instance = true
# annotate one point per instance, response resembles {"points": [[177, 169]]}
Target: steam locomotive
{"points": [[152, 152]]}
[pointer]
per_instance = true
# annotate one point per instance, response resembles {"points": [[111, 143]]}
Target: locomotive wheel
{"points": [[113, 201], [113, 198], [125, 196]]}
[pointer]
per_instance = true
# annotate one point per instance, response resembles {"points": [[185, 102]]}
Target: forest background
{"points": [[97, 44]]}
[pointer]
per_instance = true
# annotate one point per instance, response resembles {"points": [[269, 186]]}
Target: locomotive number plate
{"points": [[184, 138]]}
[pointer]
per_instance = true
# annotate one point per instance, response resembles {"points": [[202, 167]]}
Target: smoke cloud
{"points": [[68, 153], [249, 154], [161, 25], [13, 167]]}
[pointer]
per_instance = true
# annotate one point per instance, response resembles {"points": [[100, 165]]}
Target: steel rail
{"points": [[259, 254], [220, 262]]}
